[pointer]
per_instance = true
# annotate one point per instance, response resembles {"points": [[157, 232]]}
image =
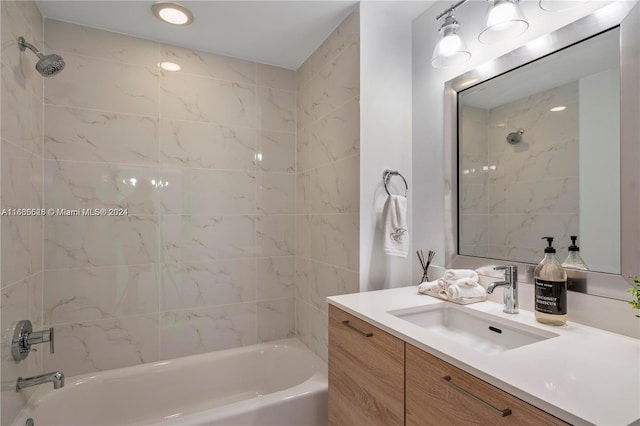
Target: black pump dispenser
{"points": [[550, 248], [573, 246]]}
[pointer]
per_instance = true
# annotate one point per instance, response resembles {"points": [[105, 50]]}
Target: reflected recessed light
{"points": [[169, 66], [558, 108], [500, 125], [172, 13]]}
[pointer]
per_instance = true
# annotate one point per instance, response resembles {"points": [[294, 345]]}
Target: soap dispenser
{"points": [[550, 288], [574, 260]]}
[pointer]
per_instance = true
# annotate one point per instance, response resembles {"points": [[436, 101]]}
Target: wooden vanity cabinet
{"points": [[366, 373], [377, 379], [437, 393]]}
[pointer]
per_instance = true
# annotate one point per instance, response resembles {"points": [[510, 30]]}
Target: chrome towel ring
{"points": [[386, 176]]}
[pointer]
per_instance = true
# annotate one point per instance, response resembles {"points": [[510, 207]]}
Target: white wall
{"points": [[427, 156], [385, 132], [599, 240]]}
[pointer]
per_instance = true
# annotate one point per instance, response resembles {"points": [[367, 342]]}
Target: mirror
{"points": [[517, 171], [539, 155]]}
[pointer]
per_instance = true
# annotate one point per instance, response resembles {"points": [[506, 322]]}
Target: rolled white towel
{"points": [[458, 292], [442, 284], [428, 287], [463, 282], [456, 274]]}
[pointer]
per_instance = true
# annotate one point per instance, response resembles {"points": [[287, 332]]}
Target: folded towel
{"points": [[456, 274], [394, 226], [428, 287], [458, 292], [442, 284], [463, 282]]}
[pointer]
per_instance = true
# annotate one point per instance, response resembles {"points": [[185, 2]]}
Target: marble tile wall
{"points": [[529, 190], [203, 160], [328, 185], [21, 188]]}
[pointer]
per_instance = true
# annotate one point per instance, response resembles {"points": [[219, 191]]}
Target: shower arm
{"points": [[24, 45]]}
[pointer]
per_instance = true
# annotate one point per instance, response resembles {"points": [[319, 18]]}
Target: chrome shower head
{"points": [[515, 137], [47, 65]]}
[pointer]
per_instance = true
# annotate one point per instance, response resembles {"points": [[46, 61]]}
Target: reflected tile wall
{"points": [[204, 162], [515, 194], [328, 180], [21, 136]]}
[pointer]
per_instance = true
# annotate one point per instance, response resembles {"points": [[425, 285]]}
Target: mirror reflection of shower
{"points": [[515, 137], [516, 140], [47, 65]]}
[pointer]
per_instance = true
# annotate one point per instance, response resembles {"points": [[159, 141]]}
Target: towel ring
{"points": [[386, 176]]}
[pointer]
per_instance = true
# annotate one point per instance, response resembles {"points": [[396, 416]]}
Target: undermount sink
{"points": [[476, 330]]}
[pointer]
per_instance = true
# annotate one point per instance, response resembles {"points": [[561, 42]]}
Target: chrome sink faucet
{"points": [[511, 288], [57, 378]]}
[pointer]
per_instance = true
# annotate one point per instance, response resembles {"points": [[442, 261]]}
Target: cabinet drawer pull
{"points": [[501, 413], [348, 324]]}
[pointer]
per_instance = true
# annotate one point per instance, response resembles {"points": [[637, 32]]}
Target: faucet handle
{"points": [[510, 271]]}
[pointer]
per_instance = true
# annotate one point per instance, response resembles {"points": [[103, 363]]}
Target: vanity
{"points": [[397, 357]]}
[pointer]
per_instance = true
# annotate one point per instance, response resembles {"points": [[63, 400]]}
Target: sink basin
{"points": [[476, 330]]}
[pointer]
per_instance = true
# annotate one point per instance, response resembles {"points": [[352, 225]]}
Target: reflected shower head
{"points": [[47, 65], [515, 137]]}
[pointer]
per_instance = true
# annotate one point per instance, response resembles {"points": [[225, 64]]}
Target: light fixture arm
{"points": [[451, 9]]}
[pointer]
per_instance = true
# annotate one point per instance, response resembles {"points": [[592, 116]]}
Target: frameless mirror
{"points": [[543, 142], [539, 155]]}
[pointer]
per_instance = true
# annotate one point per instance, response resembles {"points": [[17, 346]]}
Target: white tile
{"points": [[196, 331], [276, 193], [189, 97], [205, 284], [93, 346], [79, 185], [104, 85], [209, 64], [192, 238], [86, 135], [335, 239], [277, 152], [78, 242], [276, 278], [276, 319], [78, 295], [276, 77], [276, 110], [86, 41], [205, 145], [275, 235]]}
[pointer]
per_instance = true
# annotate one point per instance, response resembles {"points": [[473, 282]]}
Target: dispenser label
{"points": [[551, 297]]}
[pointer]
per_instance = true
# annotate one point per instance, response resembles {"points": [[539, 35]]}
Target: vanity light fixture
{"points": [[450, 50], [503, 21], [558, 108], [560, 5], [172, 13]]}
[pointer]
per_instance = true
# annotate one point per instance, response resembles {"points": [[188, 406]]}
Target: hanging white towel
{"points": [[394, 226]]}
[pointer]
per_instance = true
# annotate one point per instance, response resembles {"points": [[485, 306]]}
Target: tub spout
{"points": [[57, 378]]}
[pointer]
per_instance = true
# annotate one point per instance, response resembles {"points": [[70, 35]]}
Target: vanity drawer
{"points": [[366, 373], [439, 393]]}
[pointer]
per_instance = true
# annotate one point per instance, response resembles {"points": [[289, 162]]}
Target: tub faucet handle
{"points": [[24, 338]]}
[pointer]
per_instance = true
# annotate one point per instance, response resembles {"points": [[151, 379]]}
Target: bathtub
{"points": [[277, 383]]}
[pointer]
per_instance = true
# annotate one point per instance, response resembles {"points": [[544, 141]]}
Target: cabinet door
{"points": [[440, 394], [366, 373]]}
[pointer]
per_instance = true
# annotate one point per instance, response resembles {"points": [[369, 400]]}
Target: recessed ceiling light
{"points": [[169, 66], [558, 108], [173, 13]]}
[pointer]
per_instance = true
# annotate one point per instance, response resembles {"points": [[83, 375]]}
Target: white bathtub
{"points": [[278, 383]]}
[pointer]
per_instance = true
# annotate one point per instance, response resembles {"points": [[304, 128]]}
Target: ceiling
{"points": [[280, 33]]}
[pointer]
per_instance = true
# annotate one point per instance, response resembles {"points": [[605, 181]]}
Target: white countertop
{"points": [[583, 376]]}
